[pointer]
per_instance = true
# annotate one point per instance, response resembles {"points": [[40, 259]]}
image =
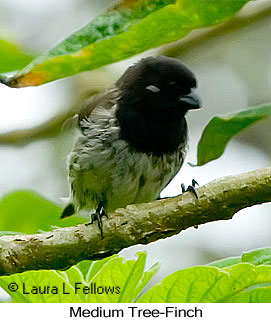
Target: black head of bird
{"points": [[155, 95]]}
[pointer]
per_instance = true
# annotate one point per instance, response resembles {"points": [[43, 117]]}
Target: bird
{"points": [[132, 138]]}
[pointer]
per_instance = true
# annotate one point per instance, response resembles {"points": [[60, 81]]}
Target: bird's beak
{"points": [[192, 99]]}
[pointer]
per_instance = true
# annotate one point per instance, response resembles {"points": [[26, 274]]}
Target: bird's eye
{"points": [[153, 88]]}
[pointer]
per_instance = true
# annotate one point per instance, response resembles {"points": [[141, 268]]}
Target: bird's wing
{"points": [[104, 100]]}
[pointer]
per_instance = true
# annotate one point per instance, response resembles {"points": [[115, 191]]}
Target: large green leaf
{"points": [[128, 275], [205, 284], [31, 287], [255, 257], [109, 280], [115, 280], [258, 295], [146, 277], [28, 212], [12, 58], [220, 130], [225, 262], [81, 275], [130, 27]]}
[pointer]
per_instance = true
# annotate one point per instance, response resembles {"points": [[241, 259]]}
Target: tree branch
{"points": [[54, 125], [47, 129], [135, 224]]}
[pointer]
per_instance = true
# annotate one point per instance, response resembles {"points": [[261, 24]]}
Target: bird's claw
{"points": [[191, 188], [97, 216]]}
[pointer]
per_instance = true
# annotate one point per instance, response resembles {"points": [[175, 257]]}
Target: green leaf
{"points": [[12, 58], [112, 279], [95, 267], [259, 295], [5, 300], [29, 282], [255, 257], [124, 275], [225, 262], [148, 274], [28, 212], [82, 274], [246, 277], [220, 130], [258, 256], [205, 284], [129, 28]]}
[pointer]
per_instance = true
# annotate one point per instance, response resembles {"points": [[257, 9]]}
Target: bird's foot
{"points": [[97, 216], [191, 188]]}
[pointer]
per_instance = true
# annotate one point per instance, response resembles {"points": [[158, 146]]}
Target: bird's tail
{"points": [[67, 211]]}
